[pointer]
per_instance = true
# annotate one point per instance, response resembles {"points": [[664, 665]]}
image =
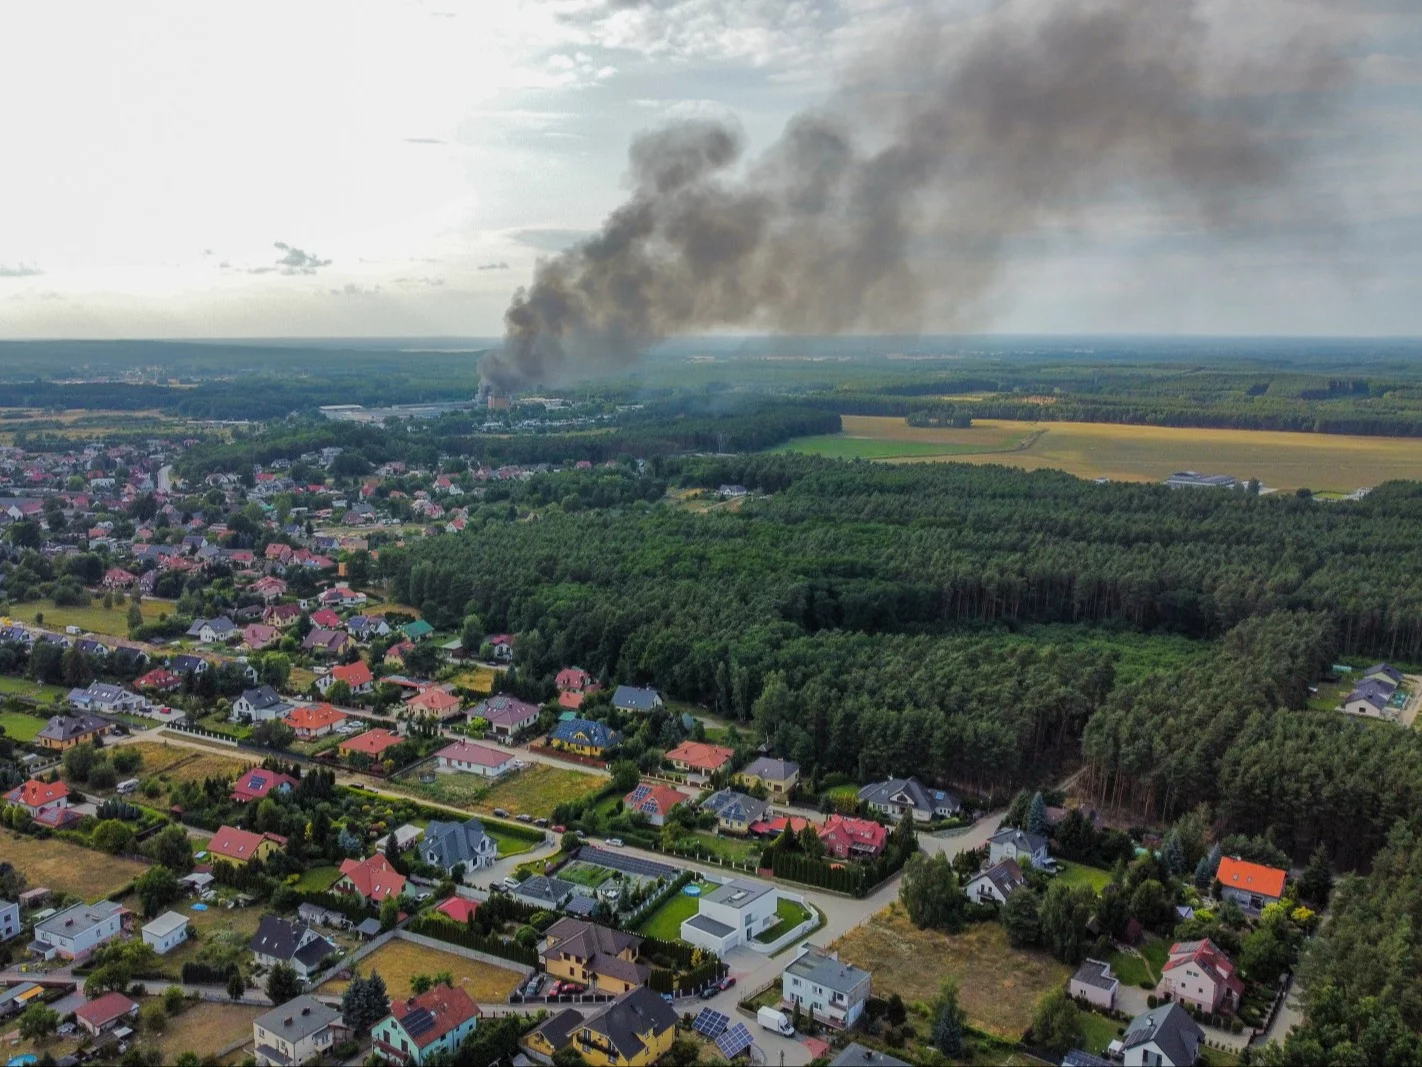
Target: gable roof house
{"points": [[160, 680], [436, 1021], [213, 631], [584, 737], [373, 879], [1163, 1037], [635, 698], [448, 844], [282, 616], [105, 1012], [261, 704], [242, 846], [295, 1032], [46, 802], [259, 783], [1199, 973], [1250, 885], [735, 812], [635, 1030], [778, 776], [356, 675], [279, 940], [894, 796], [597, 956], [654, 800], [321, 642], [259, 635], [1010, 843], [101, 696], [995, 884], [185, 663]]}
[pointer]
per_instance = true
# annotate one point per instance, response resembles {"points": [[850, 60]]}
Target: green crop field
{"points": [[1329, 462], [93, 619]]}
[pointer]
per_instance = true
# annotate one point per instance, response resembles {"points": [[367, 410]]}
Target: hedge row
{"points": [[443, 928]]}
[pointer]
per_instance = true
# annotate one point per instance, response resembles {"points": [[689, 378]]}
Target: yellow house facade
{"points": [[634, 1031], [778, 777]]}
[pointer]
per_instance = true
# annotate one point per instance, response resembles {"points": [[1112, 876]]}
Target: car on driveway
{"points": [[726, 983], [613, 842]]}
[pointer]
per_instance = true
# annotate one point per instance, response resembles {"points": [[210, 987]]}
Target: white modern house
{"points": [[76, 931], [9, 920], [294, 1032], [166, 932], [731, 915], [1094, 983], [820, 983]]}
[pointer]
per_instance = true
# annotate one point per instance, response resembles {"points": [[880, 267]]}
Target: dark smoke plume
{"points": [[898, 198]]}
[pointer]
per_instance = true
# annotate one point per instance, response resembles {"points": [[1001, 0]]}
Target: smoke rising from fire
{"points": [[898, 198]]}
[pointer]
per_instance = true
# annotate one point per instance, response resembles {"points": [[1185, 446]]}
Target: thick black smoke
{"points": [[898, 198]]}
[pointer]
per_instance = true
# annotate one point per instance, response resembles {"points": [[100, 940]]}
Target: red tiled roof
{"points": [[479, 755], [372, 742], [314, 717], [232, 843], [458, 908], [858, 833], [374, 878], [1251, 877], [353, 674], [777, 825], [259, 782], [435, 700], [1208, 957], [700, 756], [658, 800], [36, 794], [105, 1009], [450, 1007]]}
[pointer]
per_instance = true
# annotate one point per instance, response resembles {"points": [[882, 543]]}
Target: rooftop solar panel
{"points": [[711, 1023], [735, 1041], [417, 1022]]}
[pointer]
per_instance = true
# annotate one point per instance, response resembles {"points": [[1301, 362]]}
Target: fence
{"points": [[208, 735]]}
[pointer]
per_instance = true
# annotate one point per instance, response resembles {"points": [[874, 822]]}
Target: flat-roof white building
{"points": [[166, 932], [76, 931], [731, 915]]}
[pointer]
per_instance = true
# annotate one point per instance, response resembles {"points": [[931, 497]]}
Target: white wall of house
{"points": [[1093, 994], [9, 920], [165, 943]]}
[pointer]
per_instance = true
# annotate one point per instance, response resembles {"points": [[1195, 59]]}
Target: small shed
{"points": [[166, 932]]}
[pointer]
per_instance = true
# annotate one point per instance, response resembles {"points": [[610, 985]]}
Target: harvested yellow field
{"points": [[1333, 462], [181, 764], [205, 1028], [477, 680], [999, 985], [67, 868], [399, 961]]}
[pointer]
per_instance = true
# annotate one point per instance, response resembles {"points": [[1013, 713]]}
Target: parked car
{"points": [[501, 813], [710, 991], [726, 983], [559, 829], [524, 816], [613, 842], [540, 822]]}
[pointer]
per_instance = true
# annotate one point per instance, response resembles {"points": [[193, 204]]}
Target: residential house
{"points": [[547, 894], [552, 1035], [79, 929], [282, 616], [846, 838], [502, 646], [243, 846], [301, 948], [474, 759], [446, 845], [995, 884], [1250, 885], [373, 744], [507, 716], [833, 992], [65, 731], [1010, 843], [118, 578], [735, 812], [635, 1030], [259, 635], [731, 915], [105, 1013], [315, 720], [856, 1055], [435, 702], [777, 776], [1372, 699], [599, 957], [895, 796], [654, 800], [188, 664], [584, 737], [1199, 973], [434, 1022], [1165, 1036], [328, 643], [342, 595], [269, 588], [635, 698], [213, 631], [697, 757], [258, 783], [373, 880], [47, 802], [166, 932], [572, 679], [9, 920], [295, 1032], [326, 619], [159, 680], [356, 675], [365, 627], [1094, 983], [101, 696], [458, 908], [417, 631], [396, 653], [261, 704]]}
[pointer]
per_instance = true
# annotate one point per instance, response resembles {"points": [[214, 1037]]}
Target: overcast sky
{"points": [[304, 168]]}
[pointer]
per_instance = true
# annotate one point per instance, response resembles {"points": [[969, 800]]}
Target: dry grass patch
{"points": [[998, 984], [204, 1028], [398, 962], [477, 680], [68, 868], [158, 756]]}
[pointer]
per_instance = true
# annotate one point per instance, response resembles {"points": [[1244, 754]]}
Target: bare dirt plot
{"points": [[68, 868], [999, 985], [399, 961]]}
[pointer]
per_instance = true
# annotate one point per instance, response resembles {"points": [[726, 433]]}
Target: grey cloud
{"points": [[420, 283], [494, 266], [988, 132], [297, 261], [352, 289], [20, 270]]}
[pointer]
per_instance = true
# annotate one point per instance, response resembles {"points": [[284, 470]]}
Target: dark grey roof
{"points": [[635, 698], [710, 926], [298, 1019], [1006, 876], [68, 727], [277, 937], [1095, 973], [856, 1055], [1078, 1058], [1019, 839], [544, 890], [775, 769], [313, 952], [912, 791], [559, 1029], [264, 696], [822, 969], [573, 937], [639, 1012], [735, 807], [1172, 1030], [577, 904], [448, 843], [368, 927]]}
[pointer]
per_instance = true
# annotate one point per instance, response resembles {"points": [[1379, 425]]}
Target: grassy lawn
{"points": [[731, 849], [1132, 970], [535, 790], [999, 985], [19, 726], [232, 926], [399, 961], [1157, 951], [1097, 1031], [68, 868], [1079, 874], [319, 879], [23, 687], [95, 618], [789, 914], [588, 874], [1218, 1057], [666, 921], [508, 844], [204, 1028]]}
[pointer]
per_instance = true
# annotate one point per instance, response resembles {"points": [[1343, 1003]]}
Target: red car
{"points": [[726, 983], [559, 829]]}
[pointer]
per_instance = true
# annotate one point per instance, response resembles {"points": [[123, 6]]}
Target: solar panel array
{"points": [[638, 795], [418, 1021], [711, 1023], [735, 1041]]}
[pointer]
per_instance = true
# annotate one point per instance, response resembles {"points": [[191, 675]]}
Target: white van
{"points": [[775, 1021], [127, 786]]}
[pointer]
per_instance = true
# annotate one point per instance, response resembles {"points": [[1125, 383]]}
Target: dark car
{"points": [[710, 991]]}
